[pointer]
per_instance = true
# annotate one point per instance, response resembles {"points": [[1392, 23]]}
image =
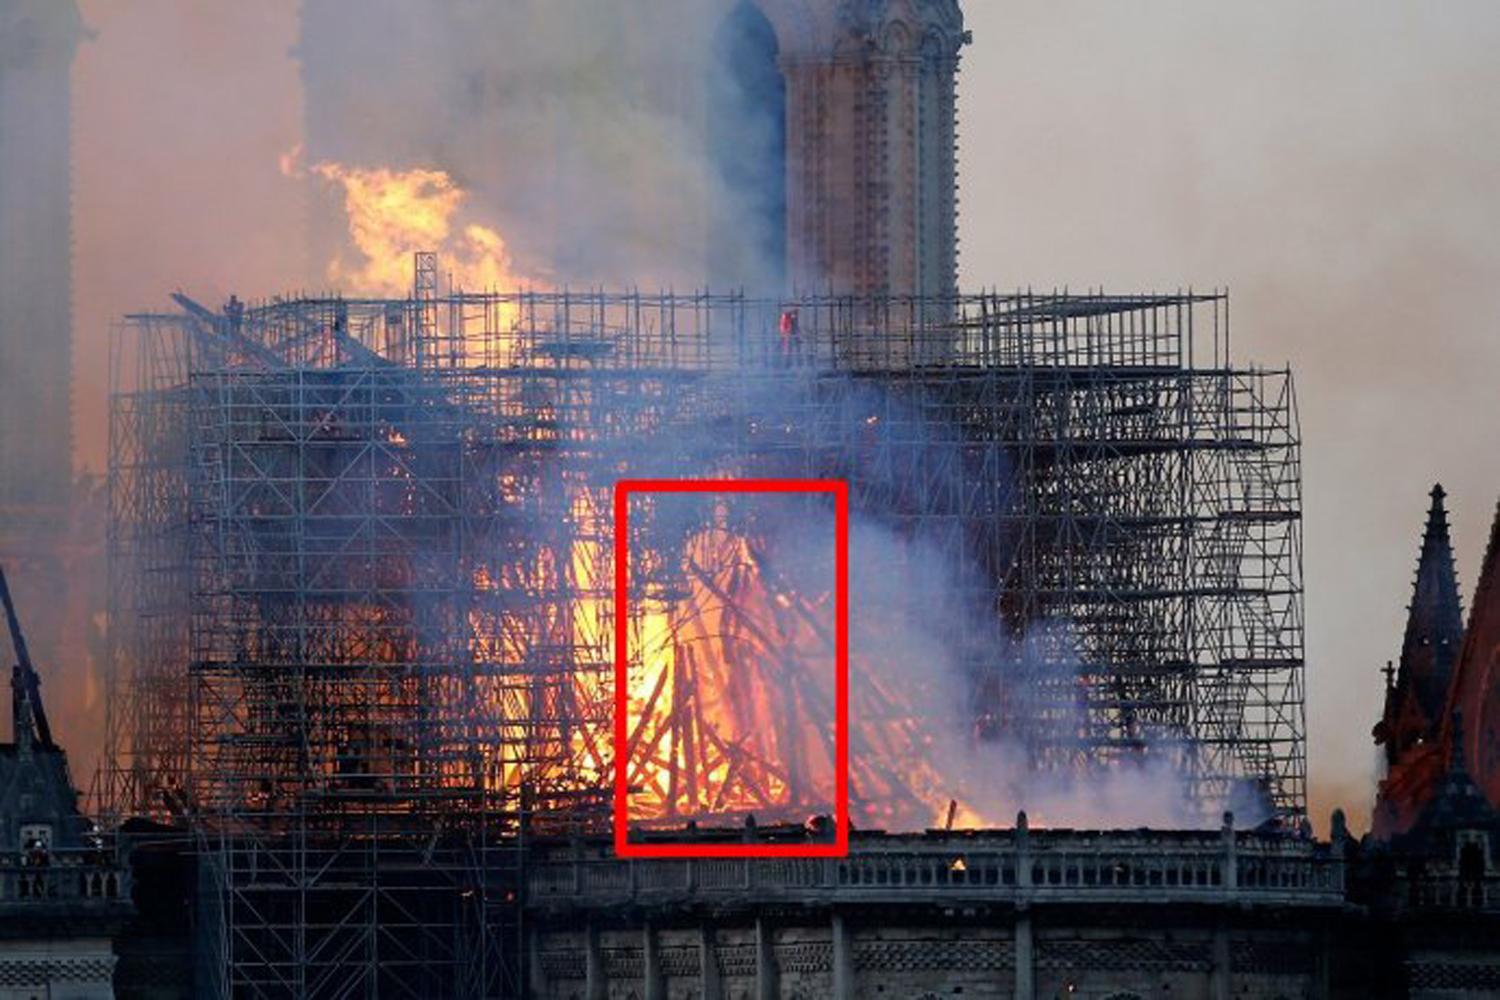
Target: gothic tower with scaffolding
{"points": [[871, 144]]}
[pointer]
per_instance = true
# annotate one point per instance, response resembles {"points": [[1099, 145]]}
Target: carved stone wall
{"points": [[80, 968], [927, 952]]}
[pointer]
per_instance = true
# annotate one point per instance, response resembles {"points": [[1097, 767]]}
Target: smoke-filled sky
{"points": [[1335, 163]]}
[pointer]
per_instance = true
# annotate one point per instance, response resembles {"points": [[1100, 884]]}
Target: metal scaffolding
{"points": [[362, 622]]}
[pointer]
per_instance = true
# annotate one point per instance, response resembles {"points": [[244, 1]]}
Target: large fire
{"points": [[393, 214], [731, 682], [731, 679], [731, 691], [731, 698]]}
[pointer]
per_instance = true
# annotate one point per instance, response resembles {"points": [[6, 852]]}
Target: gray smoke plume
{"points": [[610, 144], [948, 701], [578, 129]]}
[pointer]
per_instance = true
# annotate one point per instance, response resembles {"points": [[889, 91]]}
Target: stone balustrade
{"points": [[1446, 891], [71, 877], [1016, 867]]}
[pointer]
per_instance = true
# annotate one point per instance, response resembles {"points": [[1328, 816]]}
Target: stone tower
{"points": [[871, 144], [1474, 697], [1417, 689], [1441, 724], [38, 39]]}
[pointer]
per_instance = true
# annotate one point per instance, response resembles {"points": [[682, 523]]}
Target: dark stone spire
{"points": [[1474, 703], [1441, 729], [1434, 623], [1430, 648]]}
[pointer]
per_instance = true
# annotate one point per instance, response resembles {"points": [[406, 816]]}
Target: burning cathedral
{"points": [[428, 678]]}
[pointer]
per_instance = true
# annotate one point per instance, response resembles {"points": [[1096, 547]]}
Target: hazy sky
{"points": [[1335, 164]]}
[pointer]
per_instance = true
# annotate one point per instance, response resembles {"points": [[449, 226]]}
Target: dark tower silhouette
{"points": [[38, 39], [1441, 725], [65, 897], [1474, 698], [1416, 694]]}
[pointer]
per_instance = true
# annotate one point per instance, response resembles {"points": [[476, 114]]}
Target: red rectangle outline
{"points": [[840, 846]]}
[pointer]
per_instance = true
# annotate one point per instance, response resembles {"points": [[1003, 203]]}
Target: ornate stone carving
{"points": [[736, 959], [1453, 976], [1271, 957], [25, 973], [624, 963], [903, 28], [563, 964], [1137, 955], [927, 956], [681, 961], [811, 956]]}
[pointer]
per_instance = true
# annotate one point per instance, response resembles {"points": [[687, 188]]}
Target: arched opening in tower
{"points": [[747, 145]]}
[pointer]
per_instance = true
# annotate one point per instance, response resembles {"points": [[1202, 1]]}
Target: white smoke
{"points": [[915, 631], [945, 697], [581, 130]]}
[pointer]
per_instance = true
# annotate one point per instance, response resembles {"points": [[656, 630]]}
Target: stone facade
{"points": [[63, 897], [1430, 870], [871, 144], [79, 969], [973, 914], [986, 915]]}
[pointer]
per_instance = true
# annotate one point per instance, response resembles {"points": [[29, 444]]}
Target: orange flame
{"points": [[392, 214], [729, 710]]}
